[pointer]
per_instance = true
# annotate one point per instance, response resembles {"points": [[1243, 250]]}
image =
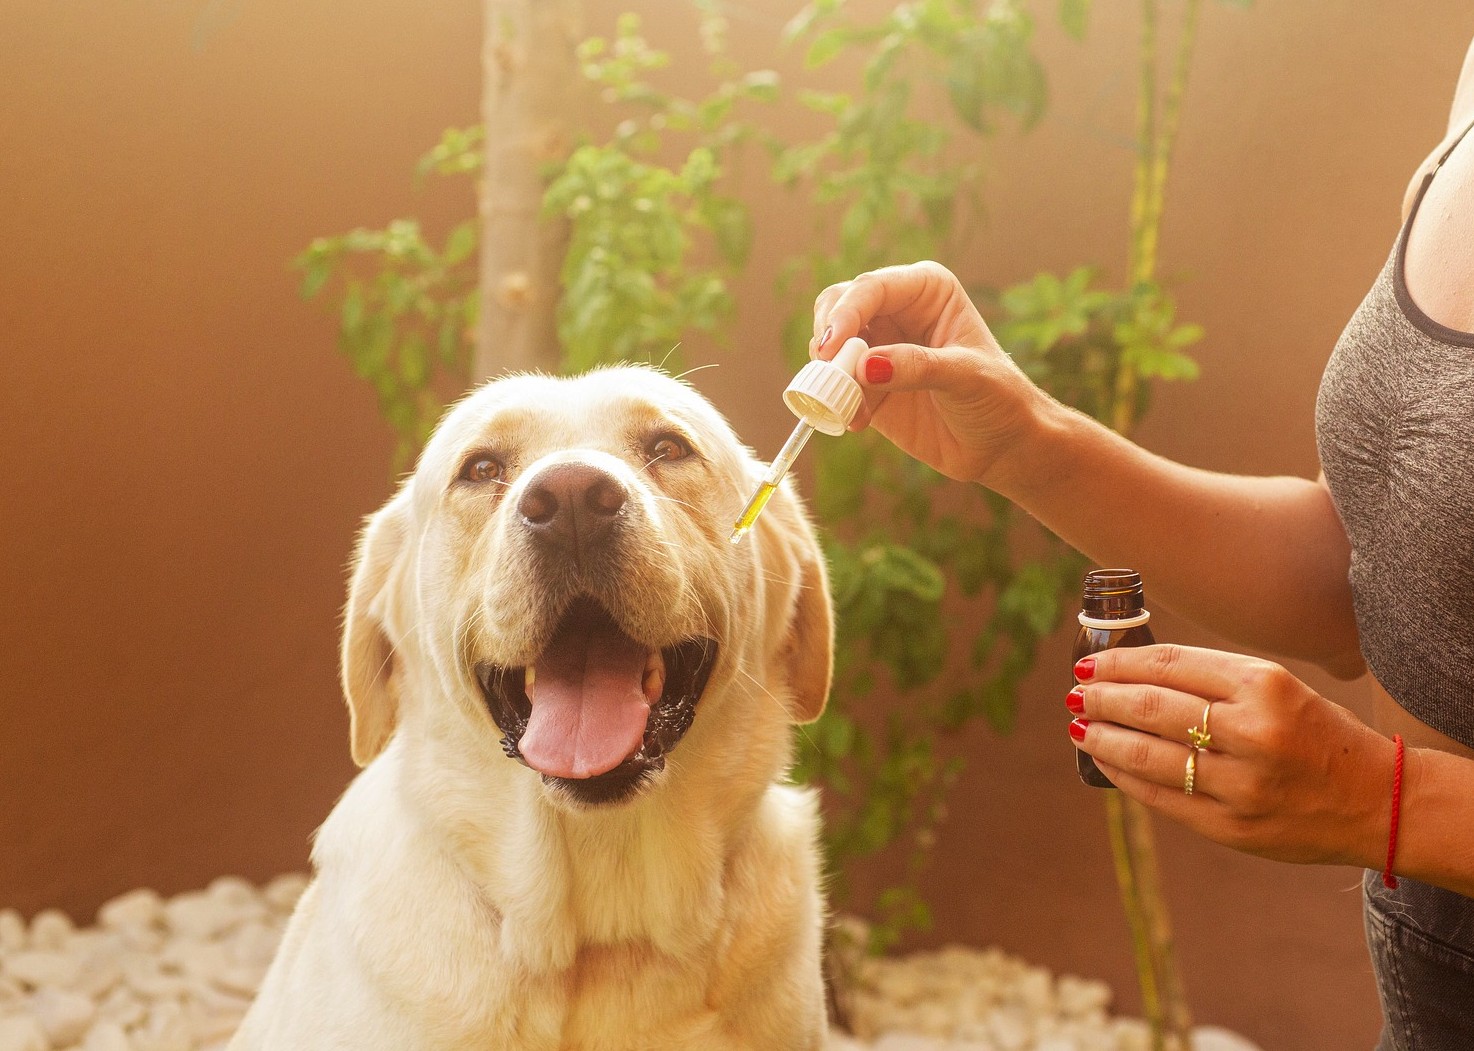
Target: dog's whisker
{"points": [[803, 730], [672, 500], [698, 368]]}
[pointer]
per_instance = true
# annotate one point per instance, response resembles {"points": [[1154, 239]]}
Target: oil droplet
{"points": [[754, 508]]}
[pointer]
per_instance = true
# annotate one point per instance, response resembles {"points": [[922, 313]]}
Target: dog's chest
{"points": [[626, 996]]}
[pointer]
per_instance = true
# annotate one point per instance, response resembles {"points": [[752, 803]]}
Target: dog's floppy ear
{"points": [[369, 681], [791, 556]]}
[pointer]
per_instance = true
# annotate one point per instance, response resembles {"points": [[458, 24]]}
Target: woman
{"points": [[1369, 567]]}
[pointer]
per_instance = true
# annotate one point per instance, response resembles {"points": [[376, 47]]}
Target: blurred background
{"points": [[191, 454]]}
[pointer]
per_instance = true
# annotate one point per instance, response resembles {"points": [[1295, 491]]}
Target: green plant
{"points": [[634, 279], [408, 312]]}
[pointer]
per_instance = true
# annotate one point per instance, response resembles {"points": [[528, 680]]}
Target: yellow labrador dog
{"points": [[571, 697]]}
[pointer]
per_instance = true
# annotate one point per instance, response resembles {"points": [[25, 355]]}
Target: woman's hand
{"points": [[1287, 774], [937, 383]]}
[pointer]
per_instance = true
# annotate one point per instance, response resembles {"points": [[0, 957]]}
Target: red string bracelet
{"points": [[1388, 879]]}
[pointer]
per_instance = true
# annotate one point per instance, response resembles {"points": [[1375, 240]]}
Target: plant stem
{"points": [[1140, 265], [1132, 841], [1175, 1019], [1125, 863], [528, 98], [1167, 138], [1146, 140]]}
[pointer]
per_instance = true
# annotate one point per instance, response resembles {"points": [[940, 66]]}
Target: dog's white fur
{"points": [[459, 902]]}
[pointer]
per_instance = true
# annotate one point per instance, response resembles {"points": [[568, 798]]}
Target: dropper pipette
{"points": [[825, 397]]}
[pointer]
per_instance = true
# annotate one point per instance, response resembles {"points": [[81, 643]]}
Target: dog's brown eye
{"points": [[668, 447], [482, 469]]}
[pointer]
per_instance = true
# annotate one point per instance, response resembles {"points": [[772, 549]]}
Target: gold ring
{"points": [[1198, 736], [1191, 773]]}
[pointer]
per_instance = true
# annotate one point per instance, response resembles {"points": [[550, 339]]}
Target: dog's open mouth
{"points": [[597, 712]]}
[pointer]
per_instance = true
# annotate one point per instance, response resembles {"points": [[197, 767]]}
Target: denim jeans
{"points": [[1422, 944]]}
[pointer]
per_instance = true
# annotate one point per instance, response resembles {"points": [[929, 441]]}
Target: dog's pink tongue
{"points": [[588, 705]]}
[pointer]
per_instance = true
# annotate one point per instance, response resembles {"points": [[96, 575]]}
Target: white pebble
{"points": [[1057, 1043], [36, 968], [22, 1033], [1078, 997], [1212, 1038], [137, 908], [254, 943], [12, 932], [99, 972], [122, 1007], [907, 1042], [242, 978], [232, 890], [1010, 1030], [107, 1036], [50, 929], [64, 1015], [195, 914], [166, 1029], [282, 893]]}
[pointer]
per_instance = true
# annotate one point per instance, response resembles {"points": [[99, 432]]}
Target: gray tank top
{"points": [[1394, 424]]}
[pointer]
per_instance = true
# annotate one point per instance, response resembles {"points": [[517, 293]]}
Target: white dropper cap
{"points": [[824, 394]]}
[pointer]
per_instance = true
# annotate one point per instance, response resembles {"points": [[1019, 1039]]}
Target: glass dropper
{"points": [[825, 397]]}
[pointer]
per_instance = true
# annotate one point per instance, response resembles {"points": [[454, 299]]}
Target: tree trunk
{"points": [[530, 95]]}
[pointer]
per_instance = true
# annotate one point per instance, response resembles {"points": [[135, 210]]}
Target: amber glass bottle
{"points": [[1112, 613]]}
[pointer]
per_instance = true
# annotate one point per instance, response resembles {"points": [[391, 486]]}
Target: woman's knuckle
{"points": [[1164, 658], [1139, 752], [1148, 705], [1259, 675]]}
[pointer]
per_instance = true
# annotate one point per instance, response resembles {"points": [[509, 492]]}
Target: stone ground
{"points": [[177, 974]]}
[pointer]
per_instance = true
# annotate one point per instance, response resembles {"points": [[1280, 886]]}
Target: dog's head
{"points": [[554, 586]]}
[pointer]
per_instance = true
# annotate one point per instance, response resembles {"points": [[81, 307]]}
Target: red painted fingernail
{"points": [[878, 370], [1085, 668], [1078, 728], [1075, 701], [825, 338]]}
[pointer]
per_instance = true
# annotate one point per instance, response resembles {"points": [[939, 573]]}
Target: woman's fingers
{"points": [[1152, 759], [823, 304], [1200, 811], [1155, 709], [846, 310], [1206, 673]]}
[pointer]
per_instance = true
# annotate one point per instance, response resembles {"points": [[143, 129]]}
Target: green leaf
{"points": [[826, 47], [1073, 15], [461, 242], [1000, 706], [414, 361], [351, 317], [316, 271]]}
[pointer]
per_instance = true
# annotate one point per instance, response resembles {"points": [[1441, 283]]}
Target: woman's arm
{"points": [[1262, 561], [1435, 839]]}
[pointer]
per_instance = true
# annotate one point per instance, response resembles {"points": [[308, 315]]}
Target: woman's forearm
{"points": [[1435, 838], [1262, 561]]}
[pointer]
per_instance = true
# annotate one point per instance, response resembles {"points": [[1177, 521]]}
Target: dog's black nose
{"points": [[572, 505]]}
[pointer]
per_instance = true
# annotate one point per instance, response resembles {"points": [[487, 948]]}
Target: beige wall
{"points": [[188, 457]]}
